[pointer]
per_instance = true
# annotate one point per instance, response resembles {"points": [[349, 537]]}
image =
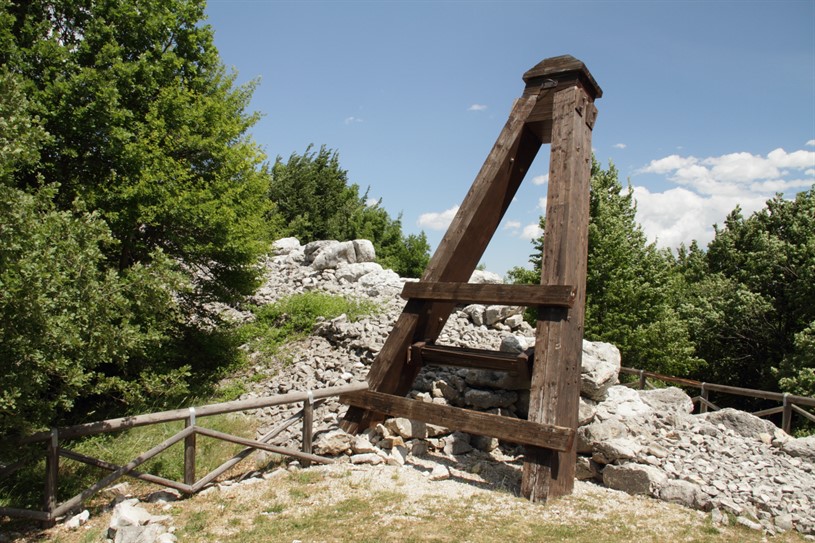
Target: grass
{"points": [[275, 324], [294, 317], [25, 488], [336, 504]]}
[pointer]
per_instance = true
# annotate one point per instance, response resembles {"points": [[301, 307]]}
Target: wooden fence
{"points": [[53, 510], [789, 403]]}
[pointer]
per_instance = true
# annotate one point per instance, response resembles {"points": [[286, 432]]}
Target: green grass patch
{"points": [[24, 489], [294, 317]]}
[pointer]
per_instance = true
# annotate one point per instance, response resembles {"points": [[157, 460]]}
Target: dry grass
{"points": [[382, 504]]}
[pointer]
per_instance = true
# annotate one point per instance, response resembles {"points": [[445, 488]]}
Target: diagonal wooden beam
{"points": [[456, 257]]}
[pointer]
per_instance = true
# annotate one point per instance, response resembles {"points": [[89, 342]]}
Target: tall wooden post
{"points": [[555, 387]]}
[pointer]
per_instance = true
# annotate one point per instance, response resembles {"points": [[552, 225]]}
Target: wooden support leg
{"points": [[555, 387]]}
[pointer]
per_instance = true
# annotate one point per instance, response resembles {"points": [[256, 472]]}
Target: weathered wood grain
{"points": [[474, 422], [445, 355], [470, 293], [555, 387]]}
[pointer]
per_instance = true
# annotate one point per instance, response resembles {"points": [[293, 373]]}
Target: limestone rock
{"points": [[485, 399], [634, 479], [367, 458], [77, 520], [333, 256], [744, 424], [353, 272], [501, 380], [513, 344], [364, 250], [684, 493], [439, 473], [333, 443], [407, 428], [476, 313], [457, 443], [285, 246], [599, 369], [311, 250], [621, 402], [598, 432], [482, 277], [614, 450], [667, 400], [802, 447]]}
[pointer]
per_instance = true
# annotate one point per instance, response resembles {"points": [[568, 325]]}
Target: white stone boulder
{"points": [[285, 246], [333, 443], [482, 277], [802, 447], [667, 400], [599, 369], [335, 255], [407, 428], [353, 272], [740, 422], [634, 479], [476, 313], [622, 402]]}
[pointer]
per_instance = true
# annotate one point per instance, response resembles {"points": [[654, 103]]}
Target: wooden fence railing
{"points": [[53, 510], [789, 403]]}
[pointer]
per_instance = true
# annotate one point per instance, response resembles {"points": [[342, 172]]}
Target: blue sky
{"points": [[705, 105]]}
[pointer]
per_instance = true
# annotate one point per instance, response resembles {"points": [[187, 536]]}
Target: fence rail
{"points": [[789, 403], [53, 510]]}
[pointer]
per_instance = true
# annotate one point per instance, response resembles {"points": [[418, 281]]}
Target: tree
{"points": [[314, 201], [146, 128], [631, 286], [131, 196], [751, 303]]}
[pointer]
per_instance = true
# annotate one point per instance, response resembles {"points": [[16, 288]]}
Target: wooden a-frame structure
{"points": [[557, 107]]}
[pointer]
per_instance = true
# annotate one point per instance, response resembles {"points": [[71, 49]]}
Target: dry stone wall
{"points": [[643, 442]]}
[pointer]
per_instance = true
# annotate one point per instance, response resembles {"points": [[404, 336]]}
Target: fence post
{"points": [[642, 379], [189, 450], [786, 417], [308, 422], [51, 475], [704, 395]]}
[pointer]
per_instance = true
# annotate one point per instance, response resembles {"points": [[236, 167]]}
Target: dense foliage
{"points": [[131, 197], [751, 297], [740, 313], [630, 286], [314, 201]]}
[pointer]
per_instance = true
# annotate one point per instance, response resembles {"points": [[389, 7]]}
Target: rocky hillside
{"points": [[738, 467]]}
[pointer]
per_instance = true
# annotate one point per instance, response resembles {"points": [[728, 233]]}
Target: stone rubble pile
{"points": [[731, 463], [130, 522]]}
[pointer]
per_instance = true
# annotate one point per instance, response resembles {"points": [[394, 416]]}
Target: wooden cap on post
{"points": [[552, 71]]}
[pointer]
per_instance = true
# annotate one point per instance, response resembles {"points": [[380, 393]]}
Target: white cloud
{"points": [[512, 225], [477, 107], [667, 164], [531, 231], [540, 179], [619, 146], [372, 202], [712, 187], [437, 221], [811, 143], [352, 120], [542, 204]]}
